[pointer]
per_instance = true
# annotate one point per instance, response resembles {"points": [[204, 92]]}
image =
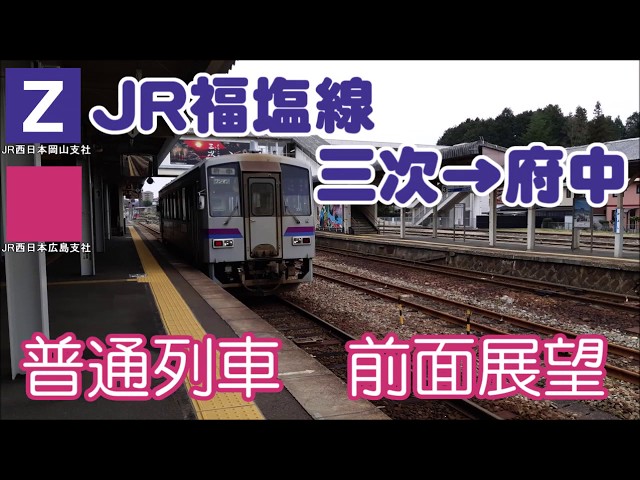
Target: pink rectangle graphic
{"points": [[44, 204]]}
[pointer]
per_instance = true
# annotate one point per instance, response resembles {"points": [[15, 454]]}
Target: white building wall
{"points": [[300, 155]]}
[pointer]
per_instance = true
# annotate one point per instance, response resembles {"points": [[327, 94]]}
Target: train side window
{"points": [[174, 210], [296, 194], [184, 204], [262, 199]]}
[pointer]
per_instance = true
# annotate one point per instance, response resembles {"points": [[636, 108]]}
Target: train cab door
{"points": [[261, 216]]}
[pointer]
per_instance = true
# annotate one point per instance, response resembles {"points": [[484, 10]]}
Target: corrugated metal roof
{"points": [[467, 149], [629, 146], [377, 144], [310, 144]]}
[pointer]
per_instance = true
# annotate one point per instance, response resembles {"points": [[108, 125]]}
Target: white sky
{"points": [[416, 101]]}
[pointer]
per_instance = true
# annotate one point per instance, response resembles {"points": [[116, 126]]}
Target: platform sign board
{"points": [[330, 217], [581, 213], [458, 218], [192, 150]]}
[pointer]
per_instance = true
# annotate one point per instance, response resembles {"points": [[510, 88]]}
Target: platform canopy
{"points": [[99, 86]]}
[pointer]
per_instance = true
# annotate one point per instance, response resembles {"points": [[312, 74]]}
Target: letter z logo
{"points": [[42, 105]]}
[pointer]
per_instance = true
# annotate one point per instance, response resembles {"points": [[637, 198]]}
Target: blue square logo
{"points": [[42, 105]]}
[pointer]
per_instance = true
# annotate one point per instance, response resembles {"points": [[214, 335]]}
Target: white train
{"points": [[245, 220]]}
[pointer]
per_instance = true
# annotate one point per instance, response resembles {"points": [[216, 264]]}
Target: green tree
{"points": [[601, 128], [467, 131], [549, 126], [619, 126], [502, 130], [520, 126], [546, 125], [578, 127], [632, 127], [147, 203]]}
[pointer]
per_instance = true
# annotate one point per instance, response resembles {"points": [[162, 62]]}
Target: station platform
{"points": [[519, 250], [581, 268], [141, 288]]}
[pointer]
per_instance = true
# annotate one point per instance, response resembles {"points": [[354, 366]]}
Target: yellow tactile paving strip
{"points": [[179, 320]]}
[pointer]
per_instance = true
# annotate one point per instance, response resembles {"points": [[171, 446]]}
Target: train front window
{"points": [[224, 191], [295, 190], [262, 197]]}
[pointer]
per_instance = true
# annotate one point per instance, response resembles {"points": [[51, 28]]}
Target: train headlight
{"points": [[222, 243], [300, 240]]}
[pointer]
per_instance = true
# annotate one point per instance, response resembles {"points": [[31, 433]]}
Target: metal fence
{"points": [[394, 223]]}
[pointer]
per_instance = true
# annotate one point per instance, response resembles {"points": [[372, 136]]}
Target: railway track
{"points": [[326, 343], [615, 300], [484, 321], [148, 226]]}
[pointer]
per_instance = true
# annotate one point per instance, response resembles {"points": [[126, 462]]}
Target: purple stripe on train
{"points": [[299, 231], [223, 233]]}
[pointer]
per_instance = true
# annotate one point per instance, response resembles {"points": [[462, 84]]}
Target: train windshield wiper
{"points": [[286, 209], [231, 215]]}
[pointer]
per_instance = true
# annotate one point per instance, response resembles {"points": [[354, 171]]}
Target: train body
{"points": [[245, 220]]}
